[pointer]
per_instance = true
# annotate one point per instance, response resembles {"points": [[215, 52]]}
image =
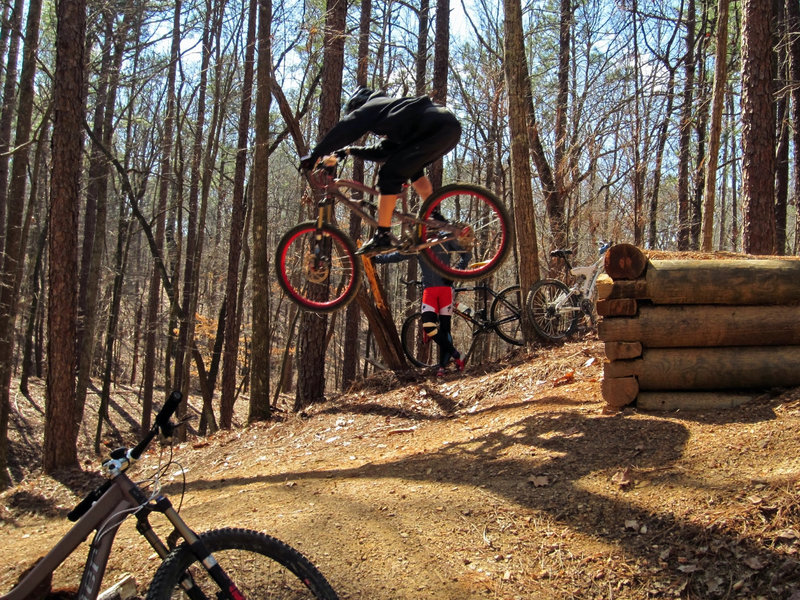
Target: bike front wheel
{"points": [[420, 349], [553, 309], [506, 312], [260, 566], [478, 226], [318, 267]]}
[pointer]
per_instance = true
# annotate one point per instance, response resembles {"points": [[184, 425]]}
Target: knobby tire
{"points": [[551, 324], [261, 566], [506, 312], [486, 233], [421, 350], [319, 275]]}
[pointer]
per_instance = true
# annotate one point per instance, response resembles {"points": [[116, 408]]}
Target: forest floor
{"points": [[509, 481]]}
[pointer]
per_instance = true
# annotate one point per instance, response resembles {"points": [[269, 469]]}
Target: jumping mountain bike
{"points": [[316, 262], [227, 563], [557, 309], [502, 318]]}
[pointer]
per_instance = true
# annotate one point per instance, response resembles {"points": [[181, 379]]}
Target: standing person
{"points": [[416, 132], [437, 301]]}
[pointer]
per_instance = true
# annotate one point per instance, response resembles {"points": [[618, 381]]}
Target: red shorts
{"points": [[438, 299]]}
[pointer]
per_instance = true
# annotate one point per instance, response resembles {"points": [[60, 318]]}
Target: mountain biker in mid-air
{"points": [[416, 132]]}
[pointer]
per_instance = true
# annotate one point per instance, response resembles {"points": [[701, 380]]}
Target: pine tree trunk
{"points": [[164, 185], [230, 362], [516, 74], [260, 363], [313, 327], [758, 129], [60, 437]]}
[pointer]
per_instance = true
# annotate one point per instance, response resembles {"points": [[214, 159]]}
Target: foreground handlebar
{"points": [[161, 424]]}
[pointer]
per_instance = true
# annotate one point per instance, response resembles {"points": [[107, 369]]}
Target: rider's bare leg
{"points": [[386, 204], [423, 187]]}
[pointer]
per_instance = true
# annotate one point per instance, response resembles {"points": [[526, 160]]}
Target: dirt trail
{"points": [[509, 482]]}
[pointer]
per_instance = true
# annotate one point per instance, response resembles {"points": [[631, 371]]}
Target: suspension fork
{"points": [[323, 215]]}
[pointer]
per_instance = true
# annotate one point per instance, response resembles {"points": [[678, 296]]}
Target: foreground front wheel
{"points": [[260, 566]]}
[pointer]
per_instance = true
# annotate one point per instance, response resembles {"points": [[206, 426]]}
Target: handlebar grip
{"points": [[161, 423], [169, 408]]}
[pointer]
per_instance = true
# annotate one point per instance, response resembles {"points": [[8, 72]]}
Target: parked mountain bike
{"points": [[557, 309], [227, 563], [501, 317], [316, 262]]}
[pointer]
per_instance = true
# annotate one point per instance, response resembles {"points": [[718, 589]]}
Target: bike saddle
{"points": [[561, 253]]}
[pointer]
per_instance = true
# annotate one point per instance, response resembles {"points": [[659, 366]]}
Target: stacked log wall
{"points": [[697, 333]]}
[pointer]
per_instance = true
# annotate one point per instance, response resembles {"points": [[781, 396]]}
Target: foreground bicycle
{"points": [[502, 318], [555, 309], [223, 564], [316, 262]]}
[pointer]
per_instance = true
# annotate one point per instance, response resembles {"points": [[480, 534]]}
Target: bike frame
{"points": [[104, 510], [104, 517], [483, 324], [332, 193], [585, 282]]}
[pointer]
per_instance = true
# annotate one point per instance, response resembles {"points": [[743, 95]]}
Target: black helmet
{"points": [[358, 98]]}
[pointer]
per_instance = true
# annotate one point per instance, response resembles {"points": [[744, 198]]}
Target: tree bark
{"points": [[313, 327], [352, 323], [164, 186], [758, 129], [714, 135], [230, 362], [516, 74], [260, 364], [60, 437], [684, 153], [15, 242]]}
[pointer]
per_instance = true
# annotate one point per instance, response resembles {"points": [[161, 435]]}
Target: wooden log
{"points": [[621, 307], [692, 400], [705, 325], [625, 261], [623, 350], [620, 391], [608, 289], [756, 367], [768, 281], [604, 285]]}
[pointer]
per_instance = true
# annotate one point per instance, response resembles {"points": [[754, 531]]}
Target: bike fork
{"points": [[228, 589]]}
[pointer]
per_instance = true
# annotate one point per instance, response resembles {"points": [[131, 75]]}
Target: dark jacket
{"points": [[393, 118]]}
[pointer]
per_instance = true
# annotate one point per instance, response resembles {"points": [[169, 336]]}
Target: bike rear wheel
{"points": [[260, 566], [420, 349], [553, 309], [484, 230], [506, 312], [317, 267]]}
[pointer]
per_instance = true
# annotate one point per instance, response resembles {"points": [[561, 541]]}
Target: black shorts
{"points": [[438, 133]]}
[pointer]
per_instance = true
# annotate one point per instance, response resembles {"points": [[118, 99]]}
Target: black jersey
{"points": [[400, 120]]}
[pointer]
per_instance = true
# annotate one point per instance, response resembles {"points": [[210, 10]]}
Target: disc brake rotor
{"points": [[316, 270]]}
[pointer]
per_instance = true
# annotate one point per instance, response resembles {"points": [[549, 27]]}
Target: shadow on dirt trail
{"points": [[601, 478]]}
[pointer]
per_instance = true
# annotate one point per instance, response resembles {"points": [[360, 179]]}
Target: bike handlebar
{"points": [[161, 423], [121, 458]]}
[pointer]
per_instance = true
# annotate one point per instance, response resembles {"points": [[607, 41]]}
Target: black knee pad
{"points": [[430, 323]]}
